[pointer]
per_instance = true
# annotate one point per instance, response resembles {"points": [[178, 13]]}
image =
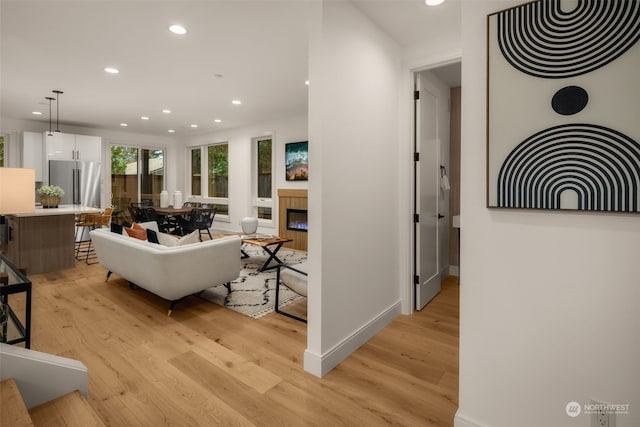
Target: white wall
{"points": [[353, 232], [242, 168], [549, 300]]}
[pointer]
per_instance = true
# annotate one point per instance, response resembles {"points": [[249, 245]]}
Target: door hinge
{"points": [[416, 95], [416, 280], [416, 157], [416, 217]]}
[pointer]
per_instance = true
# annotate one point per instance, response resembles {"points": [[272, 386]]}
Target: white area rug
{"points": [[253, 293]]}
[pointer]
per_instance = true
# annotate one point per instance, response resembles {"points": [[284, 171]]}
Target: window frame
{"points": [[204, 197], [5, 149], [139, 165], [263, 202]]}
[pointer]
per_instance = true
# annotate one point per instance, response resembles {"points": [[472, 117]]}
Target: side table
{"points": [[12, 281], [270, 244]]}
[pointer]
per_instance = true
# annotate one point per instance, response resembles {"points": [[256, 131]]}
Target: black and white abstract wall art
{"points": [[563, 91]]}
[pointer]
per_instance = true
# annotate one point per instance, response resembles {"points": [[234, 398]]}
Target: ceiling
{"points": [[252, 51]]}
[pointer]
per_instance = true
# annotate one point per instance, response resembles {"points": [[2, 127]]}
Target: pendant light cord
{"points": [[58, 93], [50, 99]]}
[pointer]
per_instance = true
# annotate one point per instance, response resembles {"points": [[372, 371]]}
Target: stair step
{"points": [[70, 410], [13, 412]]}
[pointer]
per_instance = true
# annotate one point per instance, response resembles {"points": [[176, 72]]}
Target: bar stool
{"points": [[85, 223]]}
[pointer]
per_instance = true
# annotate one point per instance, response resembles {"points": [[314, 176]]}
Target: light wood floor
{"points": [[207, 365]]}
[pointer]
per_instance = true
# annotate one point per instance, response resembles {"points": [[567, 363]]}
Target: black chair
{"points": [[136, 209], [137, 213], [200, 219], [148, 213]]}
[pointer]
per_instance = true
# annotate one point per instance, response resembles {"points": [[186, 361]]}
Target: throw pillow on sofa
{"points": [[116, 228], [137, 231], [171, 240], [152, 236]]}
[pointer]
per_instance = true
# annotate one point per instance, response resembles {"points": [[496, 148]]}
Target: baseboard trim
{"points": [[454, 270], [320, 365], [461, 420]]}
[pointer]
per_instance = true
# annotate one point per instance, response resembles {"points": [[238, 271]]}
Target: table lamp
{"points": [[17, 190]]}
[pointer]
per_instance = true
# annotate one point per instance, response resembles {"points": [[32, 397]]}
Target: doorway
{"points": [[432, 185]]}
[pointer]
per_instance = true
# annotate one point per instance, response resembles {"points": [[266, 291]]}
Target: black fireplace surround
{"points": [[297, 219]]}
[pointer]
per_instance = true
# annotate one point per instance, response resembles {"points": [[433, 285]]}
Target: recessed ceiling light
{"points": [[37, 113], [124, 124], [194, 125], [171, 131], [306, 82], [111, 70], [236, 102], [433, 2], [178, 29], [166, 111], [217, 120], [144, 118]]}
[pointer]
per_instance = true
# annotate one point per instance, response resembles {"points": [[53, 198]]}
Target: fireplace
{"points": [[292, 217], [297, 219]]}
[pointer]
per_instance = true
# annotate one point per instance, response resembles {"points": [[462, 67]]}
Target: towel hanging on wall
{"points": [[444, 179]]}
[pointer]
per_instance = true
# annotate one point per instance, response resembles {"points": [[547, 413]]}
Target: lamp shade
{"points": [[17, 190]]}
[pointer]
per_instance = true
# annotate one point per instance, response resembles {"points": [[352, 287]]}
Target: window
{"points": [[264, 178], [1, 151], [137, 174], [211, 162], [196, 176]]}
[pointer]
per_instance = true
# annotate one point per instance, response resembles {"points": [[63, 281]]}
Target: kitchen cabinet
{"points": [[41, 243], [60, 146], [33, 153], [88, 148], [66, 146], [44, 240]]}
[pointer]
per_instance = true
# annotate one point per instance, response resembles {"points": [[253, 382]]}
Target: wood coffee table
{"points": [[270, 244]]}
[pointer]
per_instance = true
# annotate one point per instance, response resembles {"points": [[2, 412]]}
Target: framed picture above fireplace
{"points": [[296, 155]]}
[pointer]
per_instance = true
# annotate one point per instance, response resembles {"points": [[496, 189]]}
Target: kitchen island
{"points": [[44, 240]]}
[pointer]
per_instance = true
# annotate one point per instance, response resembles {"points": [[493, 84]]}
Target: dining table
{"points": [[174, 218], [171, 211]]}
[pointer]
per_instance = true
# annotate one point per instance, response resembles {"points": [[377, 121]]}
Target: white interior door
{"points": [[427, 194]]}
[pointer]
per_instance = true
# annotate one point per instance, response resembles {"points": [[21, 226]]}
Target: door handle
{"points": [[440, 216]]}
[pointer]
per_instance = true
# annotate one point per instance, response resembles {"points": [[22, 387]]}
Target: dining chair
{"points": [[200, 219]]}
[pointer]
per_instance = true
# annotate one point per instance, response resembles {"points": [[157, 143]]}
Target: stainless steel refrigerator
{"points": [[79, 180]]}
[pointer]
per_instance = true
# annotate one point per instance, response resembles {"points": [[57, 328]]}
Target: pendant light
{"points": [[49, 99], [58, 93]]}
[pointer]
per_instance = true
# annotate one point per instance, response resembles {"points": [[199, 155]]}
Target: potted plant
{"points": [[50, 196]]}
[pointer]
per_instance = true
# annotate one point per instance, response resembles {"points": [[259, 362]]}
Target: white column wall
{"points": [[549, 300], [353, 131]]}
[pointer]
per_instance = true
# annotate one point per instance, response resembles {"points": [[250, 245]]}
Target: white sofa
{"points": [[169, 272]]}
